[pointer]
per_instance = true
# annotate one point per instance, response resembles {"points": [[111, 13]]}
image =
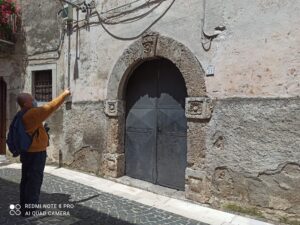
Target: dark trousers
{"points": [[33, 164]]}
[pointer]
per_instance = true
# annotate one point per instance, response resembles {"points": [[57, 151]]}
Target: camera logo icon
{"points": [[14, 209]]}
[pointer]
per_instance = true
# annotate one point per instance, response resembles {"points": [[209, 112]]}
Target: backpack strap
{"points": [[22, 112]]}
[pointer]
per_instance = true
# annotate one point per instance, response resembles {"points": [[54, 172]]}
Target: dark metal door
{"points": [[172, 126], [2, 117], [155, 144]]}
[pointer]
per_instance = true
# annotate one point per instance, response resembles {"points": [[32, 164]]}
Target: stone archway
{"points": [[150, 46], [198, 106]]}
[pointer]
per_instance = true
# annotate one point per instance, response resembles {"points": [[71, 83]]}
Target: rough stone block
{"points": [[113, 165], [198, 187]]}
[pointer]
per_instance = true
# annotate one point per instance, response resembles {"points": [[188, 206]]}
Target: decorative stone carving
{"points": [[154, 45], [113, 108], [149, 43], [198, 107], [148, 46]]}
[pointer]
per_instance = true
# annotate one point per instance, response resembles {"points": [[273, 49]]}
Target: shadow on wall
{"points": [[9, 194]]}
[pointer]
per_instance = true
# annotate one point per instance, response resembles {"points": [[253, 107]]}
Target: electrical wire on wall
{"points": [[139, 35], [132, 10], [59, 46], [103, 21], [205, 38], [91, 12], [56, 49]]}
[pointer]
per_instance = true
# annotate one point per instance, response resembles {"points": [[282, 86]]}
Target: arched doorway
{"points": [[197, 105], [156, 126], [2, 116]]}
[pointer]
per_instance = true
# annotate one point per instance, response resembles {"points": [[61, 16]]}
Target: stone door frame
{"points": [[198, 105], [3, 120]]}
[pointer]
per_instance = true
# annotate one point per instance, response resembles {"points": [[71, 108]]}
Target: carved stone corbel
{"points": [[198, 107], [113, 108]]}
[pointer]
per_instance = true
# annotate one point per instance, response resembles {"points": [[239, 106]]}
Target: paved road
{"points": [[90, 206]]}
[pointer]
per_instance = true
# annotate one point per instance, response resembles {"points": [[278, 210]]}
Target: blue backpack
{"points": [[18, 141]]}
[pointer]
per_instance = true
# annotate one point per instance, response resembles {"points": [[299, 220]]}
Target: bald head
{"points": [[25, 100]]}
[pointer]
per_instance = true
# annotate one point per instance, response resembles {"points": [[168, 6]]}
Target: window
{"points": [[42, 85], [41, 82]]}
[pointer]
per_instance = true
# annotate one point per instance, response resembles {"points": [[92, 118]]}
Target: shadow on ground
{"points": [[9, 194]]}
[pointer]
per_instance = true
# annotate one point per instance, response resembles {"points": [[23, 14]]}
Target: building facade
{"points": [[200, 96]]}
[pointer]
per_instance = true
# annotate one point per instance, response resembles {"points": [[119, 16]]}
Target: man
{"points": [[33, 161]]}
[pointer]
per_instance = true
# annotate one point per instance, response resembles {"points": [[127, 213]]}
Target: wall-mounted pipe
{"points": [[209, 37]]}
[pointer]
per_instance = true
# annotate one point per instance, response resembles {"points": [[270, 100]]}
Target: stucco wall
{"points": [[256, 56], [253, 152], [41, 25]]}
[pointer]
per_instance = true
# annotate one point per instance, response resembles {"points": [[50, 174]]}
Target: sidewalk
{"points": [[3, 160], [164, 207]]}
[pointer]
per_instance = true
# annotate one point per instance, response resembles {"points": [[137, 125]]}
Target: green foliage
{"points": [[249, 211]]}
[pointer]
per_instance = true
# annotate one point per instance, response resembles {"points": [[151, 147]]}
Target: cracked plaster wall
{"points": [[252, 154]]}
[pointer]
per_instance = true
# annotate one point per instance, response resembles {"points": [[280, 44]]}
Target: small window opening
{"points": [[42, 85]]}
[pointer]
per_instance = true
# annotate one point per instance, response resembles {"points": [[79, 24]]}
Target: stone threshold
{"points": [[147, 186], [172, 205]]}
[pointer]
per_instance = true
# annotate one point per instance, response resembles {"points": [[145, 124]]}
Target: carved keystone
{"points": [[149, 42]]}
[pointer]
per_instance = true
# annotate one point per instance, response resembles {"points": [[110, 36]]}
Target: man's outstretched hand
{"points": [[67, 92]]}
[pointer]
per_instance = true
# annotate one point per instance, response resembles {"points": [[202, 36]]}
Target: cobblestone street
{"points": [[91, 206]]}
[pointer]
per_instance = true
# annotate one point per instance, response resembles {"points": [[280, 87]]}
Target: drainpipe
{"points": [[69, 98], [70, 29]]}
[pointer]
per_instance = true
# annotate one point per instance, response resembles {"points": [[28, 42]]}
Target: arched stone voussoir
{"points": [[186, 62], [152, 45]]}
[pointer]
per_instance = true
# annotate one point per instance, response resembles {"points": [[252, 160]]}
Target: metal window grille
{"points": [[42, 87]]}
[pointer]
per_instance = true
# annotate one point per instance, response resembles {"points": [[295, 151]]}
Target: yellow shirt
{"points": [[33, 120]]}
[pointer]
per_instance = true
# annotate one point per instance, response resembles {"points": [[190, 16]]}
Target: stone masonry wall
{"points": [[252, 156]]}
